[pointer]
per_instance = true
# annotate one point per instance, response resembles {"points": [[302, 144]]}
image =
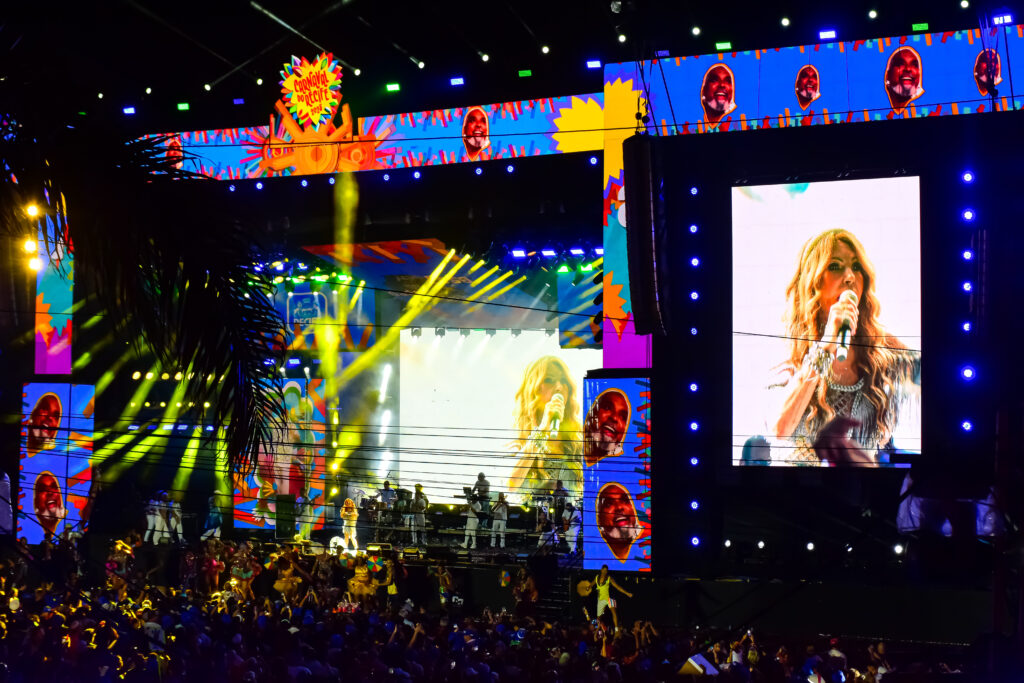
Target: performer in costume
{"points": [[350, 516], [603, 583]]}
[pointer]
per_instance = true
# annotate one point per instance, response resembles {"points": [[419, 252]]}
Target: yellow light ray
{"points": [[188, 461], [489, 286], [483, 277], [476, 266]]}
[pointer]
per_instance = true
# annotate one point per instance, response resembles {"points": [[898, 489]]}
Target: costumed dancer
{"points": [[350, 516]]}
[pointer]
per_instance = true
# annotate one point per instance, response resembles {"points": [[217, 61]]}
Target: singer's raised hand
{"points": [[554, 410], [843, 311]]}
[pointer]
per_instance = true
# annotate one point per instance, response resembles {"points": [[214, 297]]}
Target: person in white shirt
{"points": [[419, 515], [155, 523], [571, 522], [472, 522], [174, 520], [499, 513]]}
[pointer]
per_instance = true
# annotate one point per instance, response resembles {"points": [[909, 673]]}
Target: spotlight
{"points": [[1002, 20], [693, 331], [416, 331], [545, 49], [695, 541], [693, 191], [136, 375], [599, 251], [593, 63], [760, 545], [238, 100], [304, 183], [357, 72], [438, 331], [694, 461], [259, 186], [968, 177], [207, 87], [967, 286], [898, 548], [393, 87], [694, 426], [458, 80], [693, 386], [966, 425], [32, 210], [231, 188], [183, 106], [549, 252], [128, 111], [968, 215], [484, 57], [576, 251], [968, 372], [968, 254], [694, 295], [510, 168], [35, 263], [259, 81], [810, 546], [330, 181], [99, 95], [966, 327], [29, 245], [827, 35], [387, 177], [593, 161], [964, 4], [693, 229], [785, 21], [416, 175], [421, 65], [872, 14], [149, 375], [695, 262], [518, 253], [149, 91], [622, 37], [728, 543], [516, 333], [694, 505], [178, 376], [849, 548], [165, 375], [695, 30], [464, 331], [478, 171]]}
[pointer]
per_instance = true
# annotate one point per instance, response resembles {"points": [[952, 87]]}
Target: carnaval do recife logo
{"points": [[312, 90]]}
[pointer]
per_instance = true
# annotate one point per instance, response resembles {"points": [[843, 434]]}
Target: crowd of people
{"points": [[231, 611]]}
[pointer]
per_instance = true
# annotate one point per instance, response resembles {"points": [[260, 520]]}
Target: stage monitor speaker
{"points": [[697, 665], [285, 517], [644, 207]]}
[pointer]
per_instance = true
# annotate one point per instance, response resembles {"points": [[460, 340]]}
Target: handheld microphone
{"points": [[556, 420], [844, 329]]}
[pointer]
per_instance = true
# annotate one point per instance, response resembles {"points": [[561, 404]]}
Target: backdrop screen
{"points": [[56, 459], [810, 260], [617, 474], [485, 403]]}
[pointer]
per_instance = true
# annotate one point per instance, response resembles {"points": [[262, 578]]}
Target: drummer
{"points": [[388, 496]]}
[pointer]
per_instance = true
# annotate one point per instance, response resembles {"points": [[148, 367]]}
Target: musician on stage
{"points": [[571, 523], [500, 515], [482, 491], [388, 496], [419, 515], [471, 511]]}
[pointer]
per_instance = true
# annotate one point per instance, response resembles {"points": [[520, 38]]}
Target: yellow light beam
{"points": [[489, 286], [483, 277], [476, 266], [188, 461]]}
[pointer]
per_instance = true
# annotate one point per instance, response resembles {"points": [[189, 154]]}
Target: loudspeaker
{"points": [[697, 665], [285, 506], [644, 207]]}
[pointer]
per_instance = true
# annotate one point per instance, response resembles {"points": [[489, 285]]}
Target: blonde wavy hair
{"points": [[882, 359]]}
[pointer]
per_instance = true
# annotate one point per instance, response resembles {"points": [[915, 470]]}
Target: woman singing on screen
{"points": [[839, 411], [548, 432]]}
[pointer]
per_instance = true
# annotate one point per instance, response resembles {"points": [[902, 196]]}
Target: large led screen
{"points": [[56, 460], [506, 403], [815, 264], [293, 465], [617, 474]]}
